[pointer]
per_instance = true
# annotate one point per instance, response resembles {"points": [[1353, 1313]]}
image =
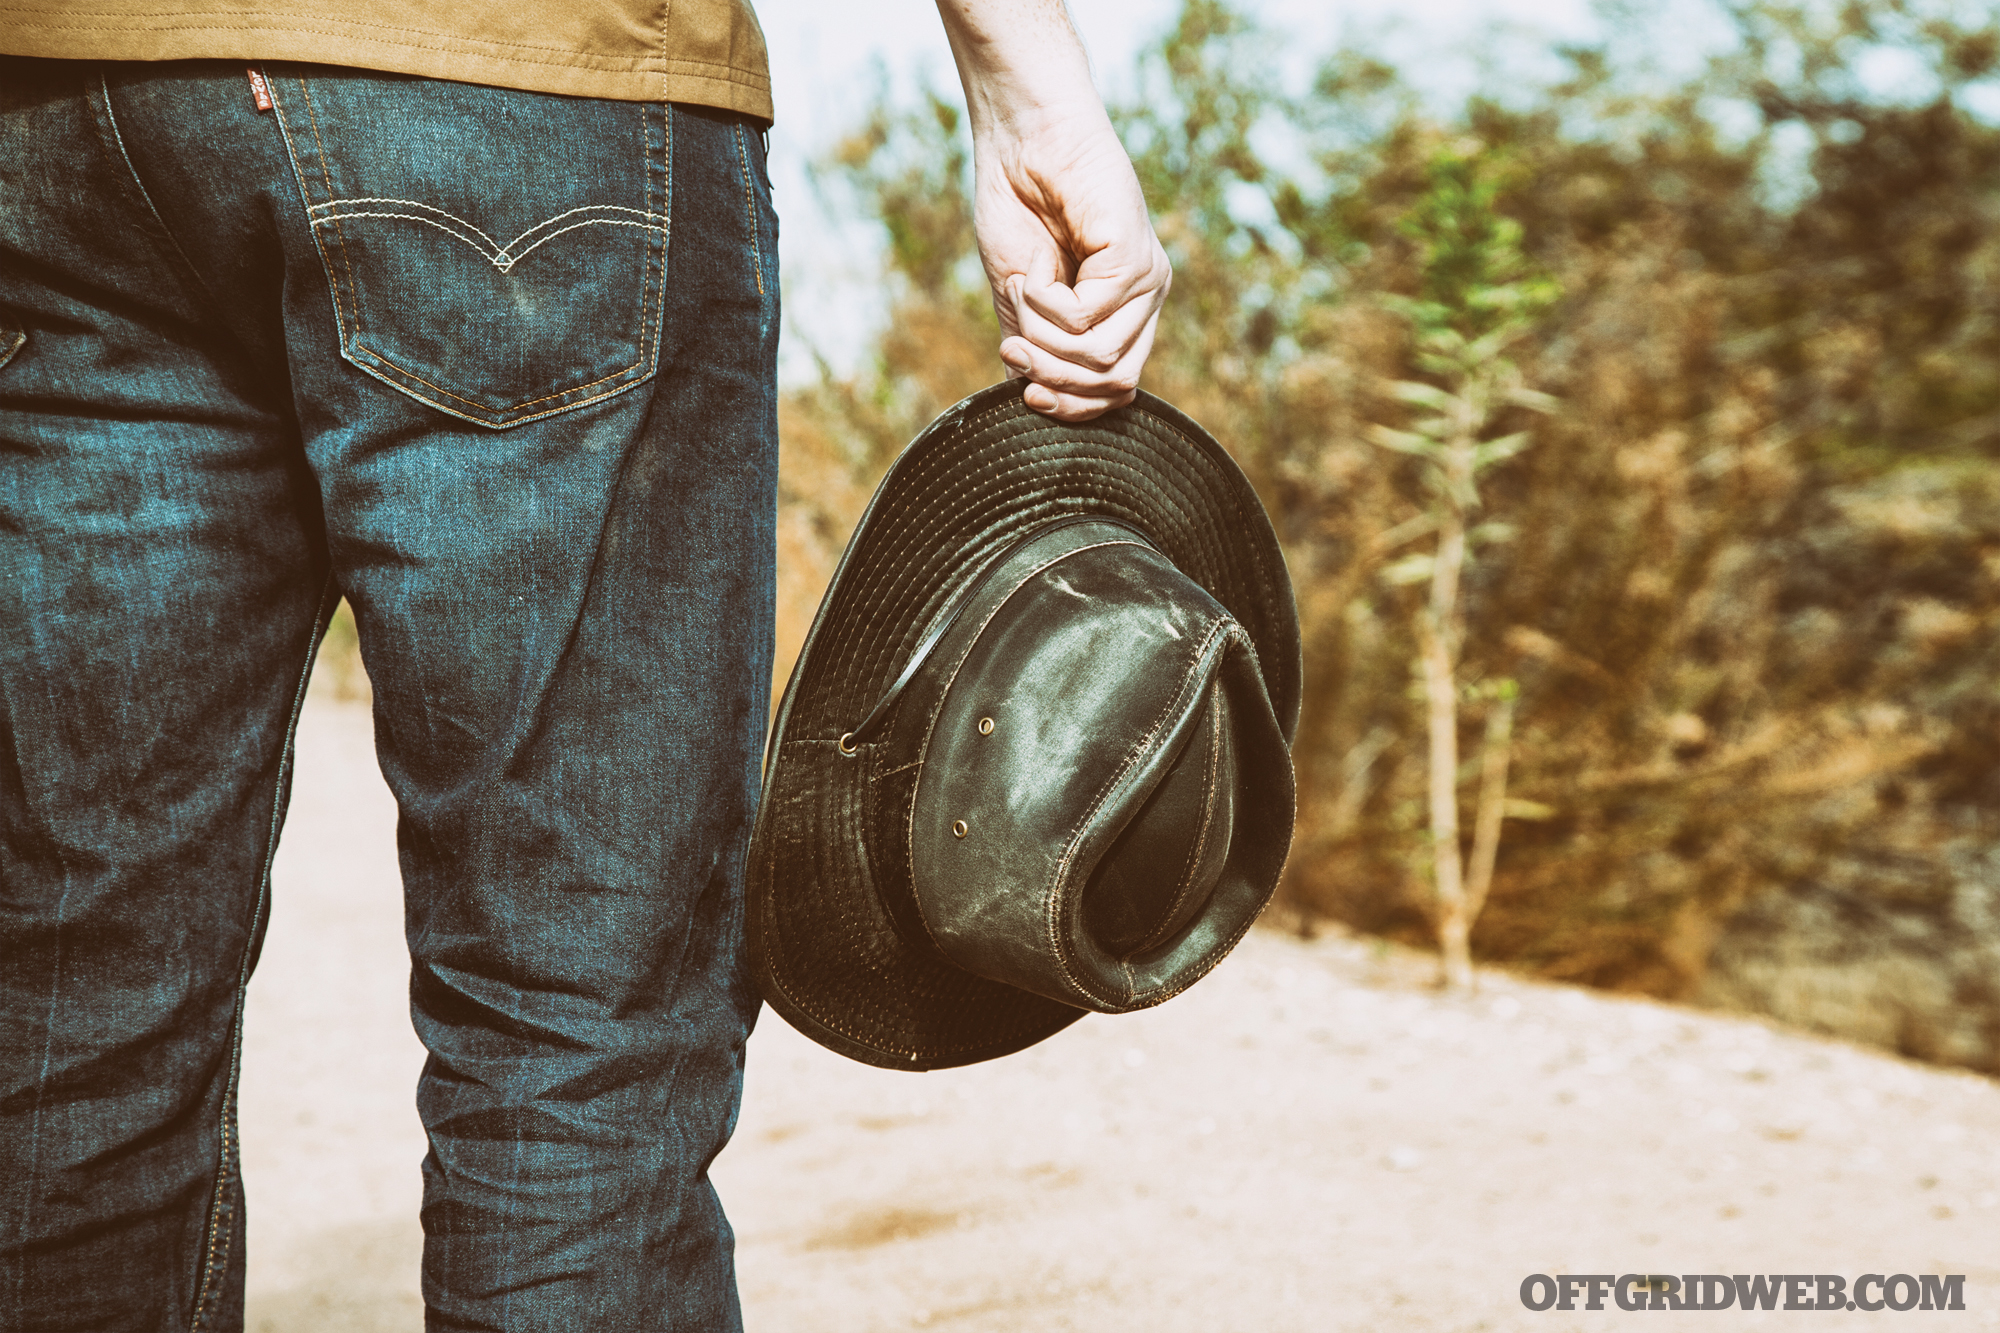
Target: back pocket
{"points": [[499, 255]]}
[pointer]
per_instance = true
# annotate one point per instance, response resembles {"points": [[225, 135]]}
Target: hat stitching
{"points": [[1053, 898], [868, 1042], [1260, 574], [876, 603], [1134, 481], [959, 1047], [1186, 879], [1016, 1034], [930, 723], [1222, 626], [946, 617], [855, 1034], [1201, 968], [861, 1039], [994, 484]]}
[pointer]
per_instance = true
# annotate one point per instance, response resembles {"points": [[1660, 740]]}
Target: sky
{"points": [[826, 61]]}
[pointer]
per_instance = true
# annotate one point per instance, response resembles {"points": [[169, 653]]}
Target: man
{"points": [[472, 320]]}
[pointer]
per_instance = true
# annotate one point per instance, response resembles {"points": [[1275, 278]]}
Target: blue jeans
{"points": [[497, 367]]}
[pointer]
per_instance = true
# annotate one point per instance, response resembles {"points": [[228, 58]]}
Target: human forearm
{"points": [[1077, 274], [1020, 62]]}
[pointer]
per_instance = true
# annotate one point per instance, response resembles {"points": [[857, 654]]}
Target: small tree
{"points": [[1478, 296]]}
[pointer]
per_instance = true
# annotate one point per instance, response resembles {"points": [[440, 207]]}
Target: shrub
{"points": [[1748, 582]]}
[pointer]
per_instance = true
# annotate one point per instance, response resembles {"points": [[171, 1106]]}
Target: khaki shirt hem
{"points": [[534, 69]]}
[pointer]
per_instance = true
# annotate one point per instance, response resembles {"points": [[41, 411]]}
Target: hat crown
{"points": [[1160, 872], [839, 940], [1073, 831]]}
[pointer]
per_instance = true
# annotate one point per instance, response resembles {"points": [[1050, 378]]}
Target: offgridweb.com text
{"points": [[1743, 1291]]}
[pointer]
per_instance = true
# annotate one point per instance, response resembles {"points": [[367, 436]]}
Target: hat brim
{"points": [[825, 951]]}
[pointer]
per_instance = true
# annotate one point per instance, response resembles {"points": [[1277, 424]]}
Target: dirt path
{"points": [[1309, 1140]]}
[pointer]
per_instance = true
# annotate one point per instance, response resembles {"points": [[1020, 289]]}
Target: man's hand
{"points": [[1077, 274]]}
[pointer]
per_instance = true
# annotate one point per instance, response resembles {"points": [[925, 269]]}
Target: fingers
{"points": [[1072, 392], [1100, 347], [1070, 407], [1082, 373], [1078, 274], [1105, 283], [1028, 361]]}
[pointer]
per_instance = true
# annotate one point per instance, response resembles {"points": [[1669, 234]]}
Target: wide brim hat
{"points": [[1033, 760]]}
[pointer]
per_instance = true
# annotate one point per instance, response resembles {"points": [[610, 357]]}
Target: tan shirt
{"points": [[710, 52]]}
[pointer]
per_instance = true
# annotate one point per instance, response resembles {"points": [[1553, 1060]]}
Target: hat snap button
{"points": [[959, 828], [986, 726]]}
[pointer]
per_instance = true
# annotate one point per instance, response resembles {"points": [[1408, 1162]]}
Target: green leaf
{"points": [[1489, 346], [1445, 340], [1423, 525], [1402, 441], [1488, 452], [1534, 400], [1410, 569], [1423, 395]]}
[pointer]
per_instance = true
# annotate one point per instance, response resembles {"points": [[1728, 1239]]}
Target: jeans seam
{"points": [[305, 199], [672, 1080], [750, 207], [145, 196], [217, 1245], [326, 178], [622, 371]]}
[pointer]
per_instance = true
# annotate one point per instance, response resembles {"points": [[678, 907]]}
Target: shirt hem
{"points": [[578, 74]]}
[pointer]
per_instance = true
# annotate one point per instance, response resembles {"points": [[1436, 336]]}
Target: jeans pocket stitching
{"points": [[655, 220], [622, 371], [502, 257], [335, 213]]}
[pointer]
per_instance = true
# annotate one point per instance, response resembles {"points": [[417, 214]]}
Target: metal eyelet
{"points": [[959, 828], [845, 746], [986, 726]]}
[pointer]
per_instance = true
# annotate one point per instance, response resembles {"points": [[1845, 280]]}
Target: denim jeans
{"points": [[498, 367]]}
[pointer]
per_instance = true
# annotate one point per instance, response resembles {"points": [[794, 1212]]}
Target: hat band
{"points": [[850, 741]]}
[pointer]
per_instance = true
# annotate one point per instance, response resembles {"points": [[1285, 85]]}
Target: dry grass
{"points": [[1749, 576]]}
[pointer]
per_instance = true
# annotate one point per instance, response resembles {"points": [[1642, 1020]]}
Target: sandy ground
{"points": [[1309, 1140]]}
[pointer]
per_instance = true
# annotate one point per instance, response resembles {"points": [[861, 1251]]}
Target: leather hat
{"points": [[1034, 758]]}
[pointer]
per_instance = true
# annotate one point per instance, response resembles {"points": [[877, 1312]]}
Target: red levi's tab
{"points": [[260, 91]]}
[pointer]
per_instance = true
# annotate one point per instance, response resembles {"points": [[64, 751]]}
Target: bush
{"points": [[1747, 577]]}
